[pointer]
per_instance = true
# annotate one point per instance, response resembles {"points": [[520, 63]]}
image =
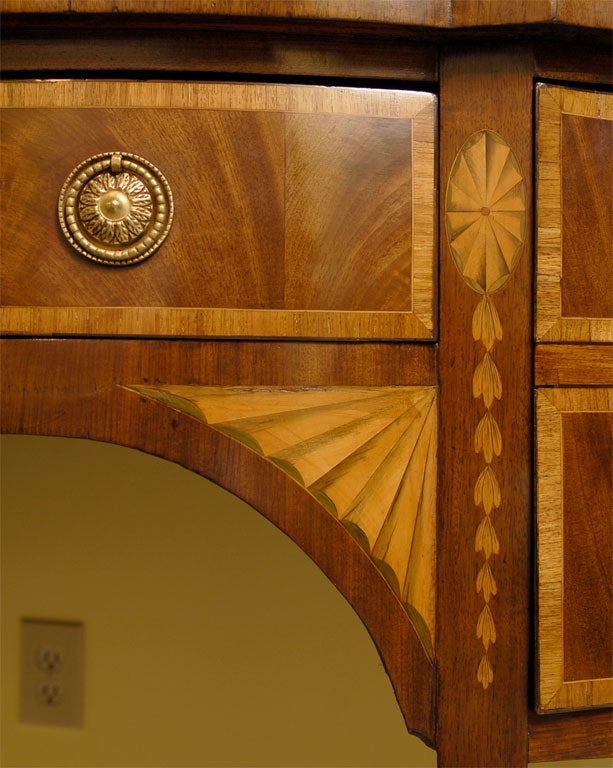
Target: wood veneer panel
{"points": [[78, 388], [587, 217], [222, 217], [574, 277], [222, 363], [572, 736], [484, 520], [573, 497], [278, 190], [587, 448], [332, 175]]}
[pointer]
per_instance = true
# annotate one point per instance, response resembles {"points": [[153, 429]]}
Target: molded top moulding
{"points": [[440, 14]]}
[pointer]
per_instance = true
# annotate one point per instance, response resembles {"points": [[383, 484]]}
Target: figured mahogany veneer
{"points": [[574, 471], [299, 211], [574, 497], [574, 216], [108, 396]]}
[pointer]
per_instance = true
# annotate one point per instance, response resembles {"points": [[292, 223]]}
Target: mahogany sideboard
{"points": [[351, 260]]}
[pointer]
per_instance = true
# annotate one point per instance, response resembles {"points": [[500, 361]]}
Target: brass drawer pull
{"points": [[116, 208]]}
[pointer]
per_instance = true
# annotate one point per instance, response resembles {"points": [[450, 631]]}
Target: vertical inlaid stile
{"points": [[485, 437]]}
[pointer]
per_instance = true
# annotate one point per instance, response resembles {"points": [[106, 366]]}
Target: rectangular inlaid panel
{"points": [[574, 290], [575, 546], [587, 217], [298, 211], [587, 450]]}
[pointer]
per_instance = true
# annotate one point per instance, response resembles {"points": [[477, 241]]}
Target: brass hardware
{"points": [[116, 208], [116, 162]]}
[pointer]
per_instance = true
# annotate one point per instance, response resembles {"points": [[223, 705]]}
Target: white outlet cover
{"points": [[52, 661]]}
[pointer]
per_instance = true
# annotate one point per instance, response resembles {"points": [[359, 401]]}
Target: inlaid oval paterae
{"points": [[485, 211], [116, 208]]}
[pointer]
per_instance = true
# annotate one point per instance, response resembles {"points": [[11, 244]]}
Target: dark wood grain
{"points": [[577, 63], [349, 54], [226, 363], [587, 213], [492, 728], [573, 736], [587, 449], [222, 216], [437, 13], [348, 195]]}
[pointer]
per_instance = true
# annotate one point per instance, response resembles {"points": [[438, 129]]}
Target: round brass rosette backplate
{"points": [[116, 208]]}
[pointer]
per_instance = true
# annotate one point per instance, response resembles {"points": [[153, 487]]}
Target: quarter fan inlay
{"points": [[367, 454], [485, 220]]}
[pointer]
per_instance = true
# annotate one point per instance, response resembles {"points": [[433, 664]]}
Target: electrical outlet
{"points": [[52, 672]]}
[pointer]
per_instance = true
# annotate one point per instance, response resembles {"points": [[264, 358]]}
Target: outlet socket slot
{"points": [[52, 661]]}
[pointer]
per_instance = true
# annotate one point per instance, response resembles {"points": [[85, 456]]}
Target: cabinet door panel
{"points": [[587, 448], [574, 294], [574, 425], [587, 216], [574, 538]]}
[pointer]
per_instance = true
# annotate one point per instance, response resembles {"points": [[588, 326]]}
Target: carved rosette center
{"points": [[115, 209]]}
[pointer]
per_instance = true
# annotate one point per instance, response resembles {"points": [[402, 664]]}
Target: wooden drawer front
{"points": [[299, 211], [575, 552], [574, 298]]}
